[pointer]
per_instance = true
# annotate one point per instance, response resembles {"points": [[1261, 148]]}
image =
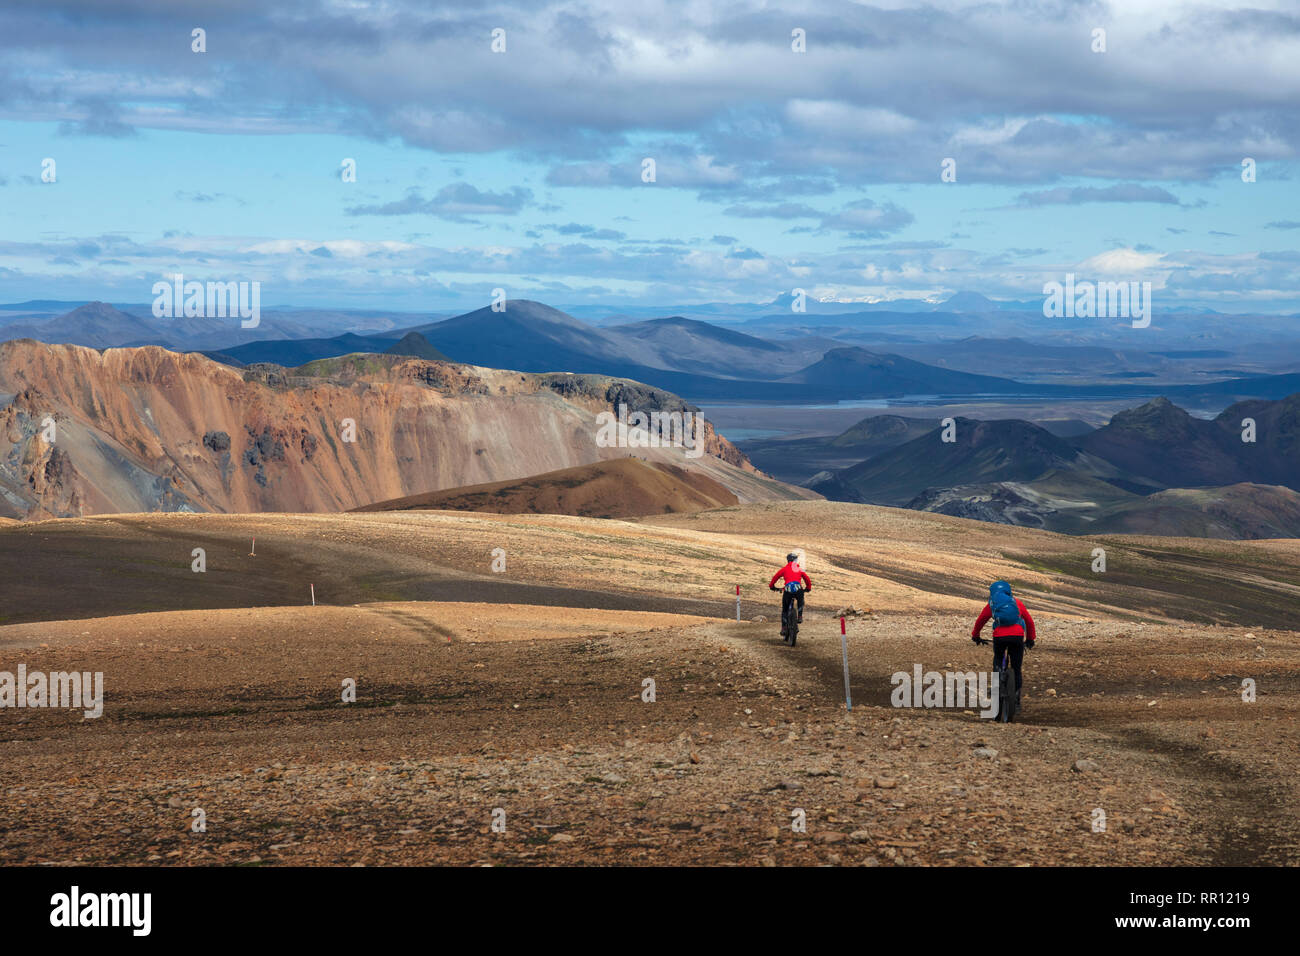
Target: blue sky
{"points": [[775, 169]]}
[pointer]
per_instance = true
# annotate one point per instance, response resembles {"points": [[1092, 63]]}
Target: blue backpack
{"points": [[1003, 605]]}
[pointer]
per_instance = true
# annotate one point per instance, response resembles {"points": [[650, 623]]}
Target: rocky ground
{"points": [[534, 718], [461, 713]]}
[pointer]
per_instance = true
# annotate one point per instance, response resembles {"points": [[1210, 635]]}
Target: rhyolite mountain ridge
{"points": [[146, 429]]}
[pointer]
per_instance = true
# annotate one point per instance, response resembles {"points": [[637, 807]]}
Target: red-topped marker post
{"points": [[844, 644]]}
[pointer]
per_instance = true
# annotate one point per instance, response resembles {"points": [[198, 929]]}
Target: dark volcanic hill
{"points": [[856, 370], [1162, 442], [415, 345], [983, 452], [799, 459], [292, 353], [527, 336]]}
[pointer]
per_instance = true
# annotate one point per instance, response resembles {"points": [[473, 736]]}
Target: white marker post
{"points": [[737, 602], [313, 595], [844, 643], [253, 553]]}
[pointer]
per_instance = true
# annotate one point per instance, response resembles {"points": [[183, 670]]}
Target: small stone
{"points": [[560, 838], [886, 783], [988, 752], [1085, 765]]}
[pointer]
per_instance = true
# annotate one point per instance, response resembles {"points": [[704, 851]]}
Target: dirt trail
{"points": [[528, 696]]}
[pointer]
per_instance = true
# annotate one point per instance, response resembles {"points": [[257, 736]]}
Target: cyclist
{"points": [[1013, 628], [791, 574]]}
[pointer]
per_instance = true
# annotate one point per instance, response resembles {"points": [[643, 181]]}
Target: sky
{"points": [[774, 168]]}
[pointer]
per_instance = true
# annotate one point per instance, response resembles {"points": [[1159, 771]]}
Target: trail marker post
{"points": [[737, 602], [844, 644], [313, 594]]}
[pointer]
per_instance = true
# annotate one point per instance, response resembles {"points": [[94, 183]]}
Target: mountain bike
{"points": [[1008, 699], [790, 616]]}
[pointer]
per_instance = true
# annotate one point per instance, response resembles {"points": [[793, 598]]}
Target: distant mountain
{"points": [[527, 336], [968, 302], [292, 353], [96, 324], [1162, 442], [982, 452], [417, 346], [799, 459], [1153, 469], [101, 325], [882, 431], [1019, 359], [689, 345], [858, 371]]}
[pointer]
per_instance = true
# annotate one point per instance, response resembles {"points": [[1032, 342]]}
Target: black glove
{"points": [[808, 589], [1029, 645], [771, 587], [978, 640]]}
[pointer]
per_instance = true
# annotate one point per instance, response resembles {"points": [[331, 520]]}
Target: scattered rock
{"points": [[1084, 765]]}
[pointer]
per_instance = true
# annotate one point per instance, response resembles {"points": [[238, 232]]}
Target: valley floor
{"points": [[487, 694]]}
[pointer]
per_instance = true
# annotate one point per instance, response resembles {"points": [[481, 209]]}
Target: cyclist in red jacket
{"points": [[1015, 637], [791, 574]]}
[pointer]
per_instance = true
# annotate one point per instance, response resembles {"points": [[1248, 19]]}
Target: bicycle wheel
{"points": [[1006, 694]]}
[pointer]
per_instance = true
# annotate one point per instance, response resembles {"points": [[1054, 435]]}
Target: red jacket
{"points": [[1015, 630], [791, 572]]}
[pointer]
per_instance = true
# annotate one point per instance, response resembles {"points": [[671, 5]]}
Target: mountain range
{"points": [[790, 359], [1153, 469]]}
